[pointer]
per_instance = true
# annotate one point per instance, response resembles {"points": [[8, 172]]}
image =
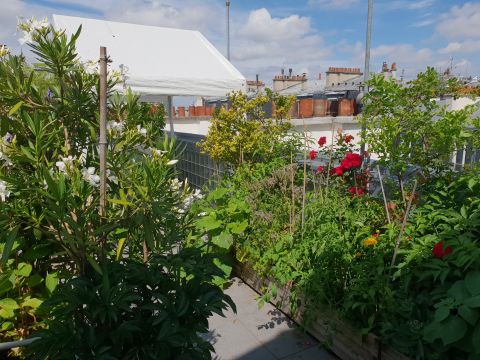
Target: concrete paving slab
{"points": [[259, 333], [314, 353]]}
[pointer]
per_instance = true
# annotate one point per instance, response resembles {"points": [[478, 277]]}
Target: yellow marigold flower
{"points": [[371, 241], [358, 254]]}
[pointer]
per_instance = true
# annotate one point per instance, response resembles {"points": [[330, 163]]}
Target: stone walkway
{"points": [[259, 334]]}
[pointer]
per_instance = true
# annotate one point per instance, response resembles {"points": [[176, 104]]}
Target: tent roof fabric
{"points": [[158, 60]]}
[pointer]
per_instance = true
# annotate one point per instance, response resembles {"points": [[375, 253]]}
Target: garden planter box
{"points": [[343, 340]]}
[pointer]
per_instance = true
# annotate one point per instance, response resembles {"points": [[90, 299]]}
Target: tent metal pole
{"points": [[170, 116], [227, 3], [366, 73], [102, 144]]}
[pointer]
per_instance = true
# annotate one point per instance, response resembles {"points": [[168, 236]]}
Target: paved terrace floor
{"points": [[255, 333]]}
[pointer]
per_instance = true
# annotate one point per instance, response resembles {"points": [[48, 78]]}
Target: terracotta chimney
{"points": [[394, 66], [385, 67]]}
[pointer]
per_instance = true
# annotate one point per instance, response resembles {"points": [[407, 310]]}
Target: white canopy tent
{"points": [[157, 61]]}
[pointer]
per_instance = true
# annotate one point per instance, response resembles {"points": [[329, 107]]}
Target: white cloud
{"points": [[264, 44], [461, 22], [333, 4], [409, 5], [403, 53], [469, 46], [423, 23], [261, 26]]}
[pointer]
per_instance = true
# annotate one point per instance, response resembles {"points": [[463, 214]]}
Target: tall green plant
{"points": [[405, 125], [241, 133]]}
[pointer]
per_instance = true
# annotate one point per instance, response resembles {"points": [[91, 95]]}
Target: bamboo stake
{"points": [[304, 174], [292, 209], [330, 160], [102, 144], [383, 193], [402, 229]]}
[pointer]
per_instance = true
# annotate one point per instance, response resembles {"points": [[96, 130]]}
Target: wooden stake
{"points": [[304, 174], [102, 144], [402, 229], [383, 193], [292, 210]]}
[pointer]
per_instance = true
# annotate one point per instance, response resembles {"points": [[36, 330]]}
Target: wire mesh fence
{"points": [[197, 167], [200, 170]]}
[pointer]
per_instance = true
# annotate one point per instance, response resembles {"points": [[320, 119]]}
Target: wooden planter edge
{"points": [[342, 339]]}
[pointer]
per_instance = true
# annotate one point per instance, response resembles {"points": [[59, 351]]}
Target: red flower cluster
{"points": [[356, 191], [439, 252], [351, 160], [337, 171], [322, 141], [313, 154], [348, 138], [320, 169]]}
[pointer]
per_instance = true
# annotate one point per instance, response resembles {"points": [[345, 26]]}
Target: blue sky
{"points": [[307, 35]]}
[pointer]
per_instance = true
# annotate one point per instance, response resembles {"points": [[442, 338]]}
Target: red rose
{"points": [[348, 138], [313, 155], [351, 160], [355, 190], [439, 252], [337, 171], [320, 169], [322, 141]]}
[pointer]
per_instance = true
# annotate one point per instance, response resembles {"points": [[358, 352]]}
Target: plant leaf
{"points": [[15, 108]]}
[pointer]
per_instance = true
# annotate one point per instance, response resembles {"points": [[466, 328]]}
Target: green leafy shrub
{"points": [[441, 272], [243, 134], [53, 231], [135, 311]]}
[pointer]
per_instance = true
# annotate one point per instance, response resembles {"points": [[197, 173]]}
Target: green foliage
{"points": [[54, 234], [242, 134], [445, 289], [406, 126], [160, 311]]}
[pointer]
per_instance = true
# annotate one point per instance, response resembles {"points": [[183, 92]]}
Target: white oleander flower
{"points": [[141, 130], [4, 51], [66, 164], [29, 27], [111, 176], [5, 158], [172, 162], [90, 176], [4, 193], [116, 126], [175, 184], [158, 152]]}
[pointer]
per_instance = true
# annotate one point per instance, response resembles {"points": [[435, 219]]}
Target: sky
{"points": [[305, 35]]}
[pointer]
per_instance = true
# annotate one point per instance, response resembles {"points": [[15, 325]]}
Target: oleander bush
{"points": [[118, 285]]}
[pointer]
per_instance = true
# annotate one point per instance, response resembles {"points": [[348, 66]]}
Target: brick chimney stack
{"points": [[338, 75], [283, 81]]}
